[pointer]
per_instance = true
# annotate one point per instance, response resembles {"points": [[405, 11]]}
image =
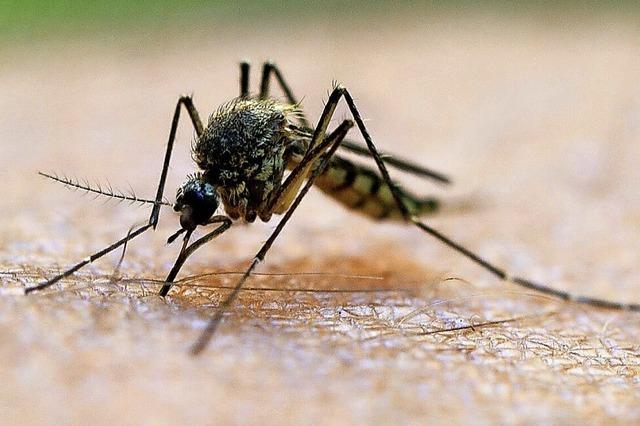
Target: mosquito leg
{"points": [[225, 223], [244, 79], [500, 273], [336, 137], [353, 146], [285, 194], [398, 163], [270, 68], [155, 213], [267, 67], [197, 124], [87, 260]]}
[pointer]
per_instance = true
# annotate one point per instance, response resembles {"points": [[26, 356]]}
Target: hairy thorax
{"points": [[242, 154]]}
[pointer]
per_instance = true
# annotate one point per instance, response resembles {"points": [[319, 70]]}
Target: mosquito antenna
{"points": [[98, 190]]}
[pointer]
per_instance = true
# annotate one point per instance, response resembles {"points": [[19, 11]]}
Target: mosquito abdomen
{"points": [[363, 190]]}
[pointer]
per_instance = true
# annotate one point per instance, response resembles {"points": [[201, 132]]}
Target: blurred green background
{"points": [[33, 20]]}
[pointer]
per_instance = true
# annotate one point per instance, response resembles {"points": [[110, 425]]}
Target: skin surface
{"points": [[537, 125]]}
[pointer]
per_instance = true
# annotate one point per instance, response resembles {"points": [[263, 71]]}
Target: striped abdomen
{"points": [[360, 188]]}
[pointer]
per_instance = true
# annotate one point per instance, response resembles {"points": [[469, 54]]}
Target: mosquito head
{"points": [[196, 201]]}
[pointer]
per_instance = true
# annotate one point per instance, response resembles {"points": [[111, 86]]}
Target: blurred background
{"points": [[532, 107], [42, 20]]}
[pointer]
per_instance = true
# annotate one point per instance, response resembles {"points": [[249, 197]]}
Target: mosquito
{"points": [[243, 153]]}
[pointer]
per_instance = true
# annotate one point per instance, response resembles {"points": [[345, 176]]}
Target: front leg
{"points": [[187, 101], [155, 213], [185, 252]]}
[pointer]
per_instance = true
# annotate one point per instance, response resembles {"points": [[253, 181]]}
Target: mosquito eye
{"points": [[196, 201]]}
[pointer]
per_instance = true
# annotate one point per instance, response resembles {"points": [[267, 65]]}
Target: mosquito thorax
{"points": [[197, 201], [242, 153]]}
